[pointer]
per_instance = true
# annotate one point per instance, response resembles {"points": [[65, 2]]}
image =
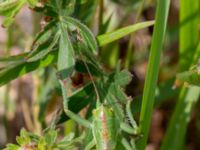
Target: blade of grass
{"points": [[189, 32], [175, 135], [115, 35], [189, 37], [164, 92], [129, 52], [152, 71]]}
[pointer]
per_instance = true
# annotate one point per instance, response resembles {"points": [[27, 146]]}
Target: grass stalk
{"points": [[189, 37], [130, 43], [101, 10], [189, 32], [7, 101], [152, 70], [175, 135]]}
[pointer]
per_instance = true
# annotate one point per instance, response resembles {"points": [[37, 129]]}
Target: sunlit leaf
{"points": [[85, 33], [115, 35], [66, 56], [44, 49], [17, 70], [10, 9]]}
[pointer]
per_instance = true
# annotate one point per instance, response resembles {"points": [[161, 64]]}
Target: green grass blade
{"points": [[152, 71], [115, 35], [174, 139], [189, 37], [164, 92], [189, 32], [175, 135]]}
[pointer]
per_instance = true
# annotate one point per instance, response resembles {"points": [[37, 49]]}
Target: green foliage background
{"points": [[82, 55]]}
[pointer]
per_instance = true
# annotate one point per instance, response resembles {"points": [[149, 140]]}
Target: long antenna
{"points": [[79, 38]]}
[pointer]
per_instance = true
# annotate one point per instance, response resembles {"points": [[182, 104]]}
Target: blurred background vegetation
{"points": [[31, 101]]}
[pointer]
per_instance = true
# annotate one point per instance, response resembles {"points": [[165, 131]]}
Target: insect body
{"points": [[106, 125], [104, 128]]}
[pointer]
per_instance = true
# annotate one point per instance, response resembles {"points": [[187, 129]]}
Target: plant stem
{"points": [[189, 32], [189, 52], [7, 88], [130, 44], [175, 135], [101, 10], [152, 70]]}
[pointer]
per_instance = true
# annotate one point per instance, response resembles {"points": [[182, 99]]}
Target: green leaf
{"points": [[69, 141], [86, 34], [14, 58], [44, 36], [12, 147], [7, 21], [123, 78], [24, 138], [17, 70], [66, 56], [115, 35], [42, 144], [10, 11], [89, 58], [5, 7], [85, 11], [106, 90], [20, 68], [32, 3], [77, 97], [59, 8], [69, 137], [50, 137], [80, 67], [66, 140], [44, 49]]}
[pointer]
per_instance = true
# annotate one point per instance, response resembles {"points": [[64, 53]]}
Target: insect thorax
{"points": [[104, 128]]}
